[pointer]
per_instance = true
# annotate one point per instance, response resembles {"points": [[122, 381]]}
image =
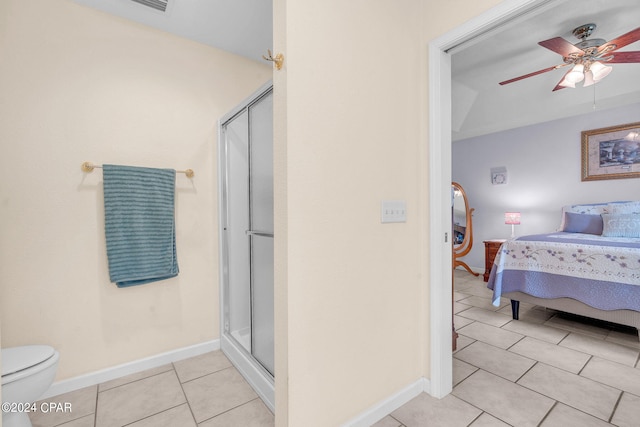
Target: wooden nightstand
{"points": [[491, 248]]}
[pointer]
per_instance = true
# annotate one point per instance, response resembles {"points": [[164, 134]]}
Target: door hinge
{"points": [[446, 237]]}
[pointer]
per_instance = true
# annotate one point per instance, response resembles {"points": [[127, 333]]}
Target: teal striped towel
{"points": [[139, 224]]}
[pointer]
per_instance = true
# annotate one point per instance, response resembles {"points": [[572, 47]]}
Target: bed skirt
{"points": [[569, 305]]}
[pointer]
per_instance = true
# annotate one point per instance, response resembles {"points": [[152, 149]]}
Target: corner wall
{"points": [[353, 288], [77, 85], [351, 120]]}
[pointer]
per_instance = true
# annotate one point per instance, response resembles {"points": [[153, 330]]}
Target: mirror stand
{"points": [[462, 227], [462, 224]]}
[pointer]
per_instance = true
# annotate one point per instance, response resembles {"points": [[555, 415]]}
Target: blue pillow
{"points": [[621, 225], [582, 223]]}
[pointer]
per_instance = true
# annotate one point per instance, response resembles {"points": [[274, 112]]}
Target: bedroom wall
{"points": [[544, 173], [78, 84]]}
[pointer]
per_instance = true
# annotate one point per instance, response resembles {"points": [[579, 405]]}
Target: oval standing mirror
{"points": [[462, 226]]}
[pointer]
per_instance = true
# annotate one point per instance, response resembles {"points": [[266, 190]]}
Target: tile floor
{"points": [[547, 369], [204, 391]]}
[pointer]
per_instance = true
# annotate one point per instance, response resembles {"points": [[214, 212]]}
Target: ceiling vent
{"points": [[160, 5]]}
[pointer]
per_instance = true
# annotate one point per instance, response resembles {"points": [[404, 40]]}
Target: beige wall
{"points": [[354, 291], [281, 253], [351, 126], [77, 85]]}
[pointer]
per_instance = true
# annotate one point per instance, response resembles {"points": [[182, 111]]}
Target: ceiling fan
{"points": [[586, 56]]}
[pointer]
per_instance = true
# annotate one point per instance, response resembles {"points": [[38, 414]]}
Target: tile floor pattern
{"points": [[205, 391], [547, 369]]}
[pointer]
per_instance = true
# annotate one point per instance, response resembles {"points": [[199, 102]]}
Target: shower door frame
{"points": [[260, 379]]}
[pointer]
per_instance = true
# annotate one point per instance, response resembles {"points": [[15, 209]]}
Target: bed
{"points": [[590, 267]]}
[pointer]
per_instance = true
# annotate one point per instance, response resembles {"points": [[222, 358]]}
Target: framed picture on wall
{"points": [[611, 153]]}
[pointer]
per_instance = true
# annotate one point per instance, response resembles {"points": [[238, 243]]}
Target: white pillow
{"points": [[624, 208], [590, 209]]}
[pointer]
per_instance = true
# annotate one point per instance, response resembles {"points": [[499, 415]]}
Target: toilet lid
{"points": [[15, 359]]}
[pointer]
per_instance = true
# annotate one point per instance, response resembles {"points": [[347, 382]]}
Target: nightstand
{"points": [[491, 248]]}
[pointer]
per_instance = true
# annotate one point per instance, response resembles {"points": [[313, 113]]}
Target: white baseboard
{"points": [[390, 404], [133, 367], [365, 419]]}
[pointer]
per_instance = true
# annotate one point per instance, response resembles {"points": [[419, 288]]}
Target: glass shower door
{"points": [[237, 307], [261, 231], [247, 233]]}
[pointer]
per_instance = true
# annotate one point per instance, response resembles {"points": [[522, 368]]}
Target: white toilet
{"points": [[27, 372]]}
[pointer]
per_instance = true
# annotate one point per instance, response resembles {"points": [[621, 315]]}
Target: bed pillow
{"points": [[582, 223], [591, 209], [624, 208], [621, 225]]}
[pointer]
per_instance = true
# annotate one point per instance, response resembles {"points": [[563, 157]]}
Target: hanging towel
{"points": [[139, 224]]}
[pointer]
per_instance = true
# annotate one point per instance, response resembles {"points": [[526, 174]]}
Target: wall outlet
{"points": [[393, 211]]}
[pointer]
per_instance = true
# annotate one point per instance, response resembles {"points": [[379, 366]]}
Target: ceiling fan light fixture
{"points": [[567, 83], [588, 79], [576, 75], [600, 71], [587, 56]]}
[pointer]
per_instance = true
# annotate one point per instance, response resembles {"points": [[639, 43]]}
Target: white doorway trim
{"points": [[440, 180]]}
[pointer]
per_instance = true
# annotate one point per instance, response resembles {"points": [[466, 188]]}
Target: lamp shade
{"points": [[512, 218]]}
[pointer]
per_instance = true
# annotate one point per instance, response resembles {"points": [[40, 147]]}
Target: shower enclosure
{"points": [[245, 153]]}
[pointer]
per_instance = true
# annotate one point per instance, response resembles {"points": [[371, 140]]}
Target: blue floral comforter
{"points": [[603, 272]]}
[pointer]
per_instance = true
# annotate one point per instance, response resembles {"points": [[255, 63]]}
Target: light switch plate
{"points": [[393, 211]]}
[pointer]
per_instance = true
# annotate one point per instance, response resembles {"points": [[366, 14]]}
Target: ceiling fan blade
{"points": [[558, 87], [535, 73], [623, 40], [624, 57], [560, 45]]}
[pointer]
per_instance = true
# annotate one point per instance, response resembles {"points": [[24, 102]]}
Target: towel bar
{"points": [[89, 167]]}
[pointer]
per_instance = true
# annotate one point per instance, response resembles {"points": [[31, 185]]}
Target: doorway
{"points": [[245, 153], [440, 101]]}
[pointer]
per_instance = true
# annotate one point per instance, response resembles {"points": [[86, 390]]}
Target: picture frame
{"points": [[611, 152]]}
